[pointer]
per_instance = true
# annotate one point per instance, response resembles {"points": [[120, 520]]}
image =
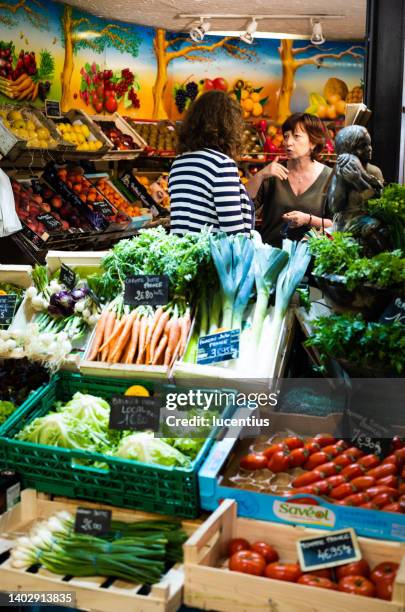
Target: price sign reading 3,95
{"points": [[147, 289], [91, 521], [336, 548]]}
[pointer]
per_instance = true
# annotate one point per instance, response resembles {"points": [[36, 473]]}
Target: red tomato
{"points": [[253, 461], [320, 487], [317, 581], [403, 473], [356, 568], [388, 481], [305, 479], [387, 570], [269, 452], [400, 455], [353, 471], [316, 459], [342, 491], [267, 551], [353, 451], [279, 462], [401, 489], [397, 443], [391, 459], [294, 442], [369, 506], [381, 471], [363, 482], [401, 502], [335, 481], [384, 589], [393, 507], [290, 572], [383, 499], [324, 439], [357, 585], [236, 545], [322, 573], [377, 490], [327, 469], [312, 446], [298, 457], [333, 450], [343, 460], [369, 461], [247, 562], [357, 499]]}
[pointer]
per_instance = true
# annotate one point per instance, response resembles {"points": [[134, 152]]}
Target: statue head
{"points": [[356, 140]]}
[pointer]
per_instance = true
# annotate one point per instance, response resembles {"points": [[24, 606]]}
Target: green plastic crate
{"points": [[126, 483]]}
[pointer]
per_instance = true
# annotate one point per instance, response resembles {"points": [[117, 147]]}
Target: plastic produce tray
{"points": [[126, 483]]}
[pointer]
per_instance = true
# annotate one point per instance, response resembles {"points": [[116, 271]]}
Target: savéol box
{"points": [[307, 510]]}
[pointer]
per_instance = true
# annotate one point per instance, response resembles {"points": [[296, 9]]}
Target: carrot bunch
{"points": [[142, 337]]}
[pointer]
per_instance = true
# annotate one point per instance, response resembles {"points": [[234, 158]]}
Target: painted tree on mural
{"points": [[290, 65], [34, 11], [77, 33], [170, 47]]}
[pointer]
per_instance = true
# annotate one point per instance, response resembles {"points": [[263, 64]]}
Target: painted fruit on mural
{"points": [[21, 77], [332, 104], [188, 91], [103, 90], [249, 97]]}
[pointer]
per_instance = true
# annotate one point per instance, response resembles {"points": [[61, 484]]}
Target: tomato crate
{"points": [[123, 482], [210, 585], [91, 592]]}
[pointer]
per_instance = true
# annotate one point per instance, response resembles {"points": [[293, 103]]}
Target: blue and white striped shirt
{"points": [[205, 190]]}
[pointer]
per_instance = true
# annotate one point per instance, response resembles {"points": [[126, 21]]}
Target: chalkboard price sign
{"points": [[134, 413], [335, 548], [7, 308], [152, 290], [395, 312], [67, 276], [91, 521], [49, 221], [52, 109], [104, 208], [218, 347]]}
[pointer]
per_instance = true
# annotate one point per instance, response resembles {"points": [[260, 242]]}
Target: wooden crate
{"points": [[212, 373], [124, 126], [165, 596], [211, 586]]}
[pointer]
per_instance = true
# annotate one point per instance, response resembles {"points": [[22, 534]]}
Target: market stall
{"points": [[200, 419]]}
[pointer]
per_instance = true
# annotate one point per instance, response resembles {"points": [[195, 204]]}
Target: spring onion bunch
{"points": [[137, 552], [51, 348]]}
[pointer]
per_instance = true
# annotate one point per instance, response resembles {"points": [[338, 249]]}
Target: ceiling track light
{"points": [[249, 35], [197, 34], [317, 37]]}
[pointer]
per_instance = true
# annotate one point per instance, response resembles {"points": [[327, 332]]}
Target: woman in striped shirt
{"points": [[204, 183]]}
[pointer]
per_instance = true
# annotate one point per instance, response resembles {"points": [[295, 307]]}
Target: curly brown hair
{"points": [[312, 125], [213, 121]]}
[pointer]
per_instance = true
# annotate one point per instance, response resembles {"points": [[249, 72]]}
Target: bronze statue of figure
{"points": [[354, 182]]}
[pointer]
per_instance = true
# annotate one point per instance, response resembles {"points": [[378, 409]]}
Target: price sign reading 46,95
{"points": [[91, 521], [335, 548], [152, 290]]}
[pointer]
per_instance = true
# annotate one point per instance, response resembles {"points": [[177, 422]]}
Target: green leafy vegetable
{"points": [[334, 256], [143, 446], [6, 409], [375, 345]]}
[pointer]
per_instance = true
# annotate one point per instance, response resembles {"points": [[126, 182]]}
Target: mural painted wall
{"points": [[50, 50]]}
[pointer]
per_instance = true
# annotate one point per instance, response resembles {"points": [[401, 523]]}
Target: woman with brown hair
{"points": [[293, 196], [204, 184]]}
